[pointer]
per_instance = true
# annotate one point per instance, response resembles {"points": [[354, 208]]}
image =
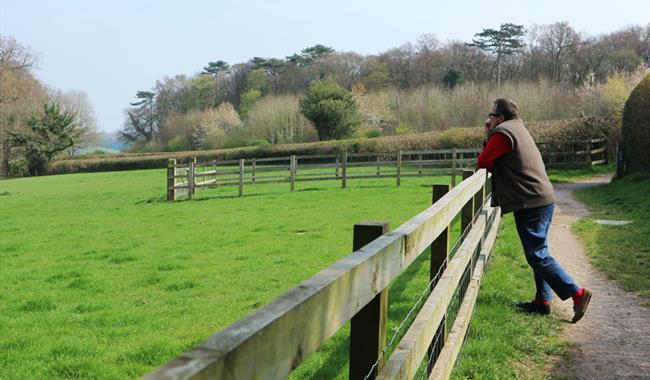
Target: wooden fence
{"points": [[186, 178], [573, 153], [275, 339]]}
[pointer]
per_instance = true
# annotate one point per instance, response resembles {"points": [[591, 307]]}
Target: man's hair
{"points": [[506, 108]]}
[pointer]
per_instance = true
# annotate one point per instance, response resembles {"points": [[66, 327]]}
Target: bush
{"points": [[331, 109], [278, 120], [636, 128]]}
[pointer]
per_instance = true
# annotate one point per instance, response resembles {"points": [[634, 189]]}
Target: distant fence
{"points": [[184, 179], [573, 153], [273, 340]]}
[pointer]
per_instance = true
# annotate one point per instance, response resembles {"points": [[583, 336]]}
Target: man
{"points": [[520, 185]]}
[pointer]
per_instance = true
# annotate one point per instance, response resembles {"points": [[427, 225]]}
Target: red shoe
{"points": [[580, 307]]}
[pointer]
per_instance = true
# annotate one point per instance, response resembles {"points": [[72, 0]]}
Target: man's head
{"points": [[502, 110]]}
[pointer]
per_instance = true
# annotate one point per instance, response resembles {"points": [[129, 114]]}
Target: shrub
{"points": [[636, 128], [331, 109], [278, 120]]}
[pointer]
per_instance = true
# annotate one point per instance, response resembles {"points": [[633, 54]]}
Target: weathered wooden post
{"points": [[338, 159], [194, 176], [344, 170], [378, 167], [439, 257], [368, 326], [241, 176], [467, 214], [453, 167], [253, 170], [190, 179], [588, 152], [399, 167], [292, 169], [171, 180]]}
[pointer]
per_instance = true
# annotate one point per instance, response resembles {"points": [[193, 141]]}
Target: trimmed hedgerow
{"points": [[569, 129]]}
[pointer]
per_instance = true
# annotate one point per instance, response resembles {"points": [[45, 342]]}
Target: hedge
{"points": [[558, 130]]}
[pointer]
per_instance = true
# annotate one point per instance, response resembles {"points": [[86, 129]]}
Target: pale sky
{"points": [[111, 49]]}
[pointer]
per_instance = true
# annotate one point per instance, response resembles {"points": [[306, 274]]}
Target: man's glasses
{"points": [[494, 114]]}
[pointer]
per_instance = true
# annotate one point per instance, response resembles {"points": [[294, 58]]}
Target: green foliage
{"points": [[453, 77], [248, 98], [505, 41], [50, 133], [200, 93], [214, 68], [371, 134], [257, 80], [331, 109], [636, 128]]}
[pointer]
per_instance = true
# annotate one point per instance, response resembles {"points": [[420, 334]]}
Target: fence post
{"points": [[194, 176], [214, 172], [378, 167], [171, 180], [190, 179], [368, 326], [253, 171], [467, 214], [439, 257], [338, 162], [344, 170], [588, 149], [241, 177], [292, 169], [453, 167], [420, 166], [399, 167]]}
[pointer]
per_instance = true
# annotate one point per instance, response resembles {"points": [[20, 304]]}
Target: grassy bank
{"points": [[621, 252]]}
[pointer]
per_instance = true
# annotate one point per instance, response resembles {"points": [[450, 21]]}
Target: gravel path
{"points": [[612, 341]]}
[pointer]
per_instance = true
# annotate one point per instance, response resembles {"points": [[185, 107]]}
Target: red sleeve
{"points": [[498, 145]]}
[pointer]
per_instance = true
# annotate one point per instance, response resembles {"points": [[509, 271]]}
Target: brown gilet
{"points": [[519, 177]]}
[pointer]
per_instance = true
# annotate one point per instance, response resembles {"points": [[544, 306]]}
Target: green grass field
{"points": [[621, 252], [103, 279]]}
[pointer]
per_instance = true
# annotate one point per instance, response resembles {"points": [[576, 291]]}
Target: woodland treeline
{"points": [[553, 71]]}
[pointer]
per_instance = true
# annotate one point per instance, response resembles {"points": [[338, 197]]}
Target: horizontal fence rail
{"points": [[273, 340], [186, 178]]}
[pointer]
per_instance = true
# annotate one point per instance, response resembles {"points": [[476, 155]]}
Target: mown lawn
{"points": [[103, 279], [621, 252]]}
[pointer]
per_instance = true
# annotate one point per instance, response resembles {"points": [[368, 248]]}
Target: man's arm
{"points": [[498, 145]]}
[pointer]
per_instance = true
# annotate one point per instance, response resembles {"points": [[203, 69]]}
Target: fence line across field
{"points": [[274, 340], [186, 178]]}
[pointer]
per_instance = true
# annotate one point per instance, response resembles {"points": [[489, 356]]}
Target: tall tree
{"points": [[214, 68], [217, 69], [141, 125], [503, 42], [49, 134]]}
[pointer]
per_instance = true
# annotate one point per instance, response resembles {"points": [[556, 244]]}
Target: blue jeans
{"points": [[532, 226]]}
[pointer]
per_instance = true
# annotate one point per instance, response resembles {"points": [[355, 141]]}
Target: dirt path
{"points": [[612, 341]]}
